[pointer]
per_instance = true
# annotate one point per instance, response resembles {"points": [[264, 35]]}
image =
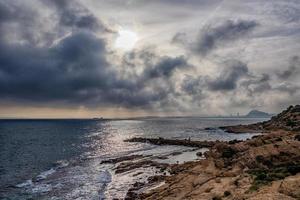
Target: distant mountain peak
{"points": [[257, 113]]}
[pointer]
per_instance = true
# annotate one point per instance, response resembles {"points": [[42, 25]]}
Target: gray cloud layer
{"points": [[292, 70], [224, 33], [76, 70], [74, 15], [64, 56], [226, 80]]}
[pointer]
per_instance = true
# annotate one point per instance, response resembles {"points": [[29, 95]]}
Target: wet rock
{"points": [[128, 166], [136, 174], [210, 129], [131, 195], [297, 137], [234, 141], [133, 191], [176, 153], [154, 179], [243, 129], [162, 157], [138, 185], [200, 154], [163, 141], [121, 159], [227, 193]]}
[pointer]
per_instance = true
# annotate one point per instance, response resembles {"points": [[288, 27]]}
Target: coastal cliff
{"points": [[264, 167]]}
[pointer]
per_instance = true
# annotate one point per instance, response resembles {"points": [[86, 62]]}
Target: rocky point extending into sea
{"points": [[264, 167]]}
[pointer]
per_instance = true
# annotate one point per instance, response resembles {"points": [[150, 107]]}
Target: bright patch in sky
{"points": [[126, 40]]}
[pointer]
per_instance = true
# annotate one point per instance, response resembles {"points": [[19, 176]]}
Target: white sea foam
{"points": [[27, 183], [62, 163], [105, 177], [45, 174], [41, 188]]}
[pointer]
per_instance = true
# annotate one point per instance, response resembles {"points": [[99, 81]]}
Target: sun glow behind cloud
{"points": [[126, 40]]}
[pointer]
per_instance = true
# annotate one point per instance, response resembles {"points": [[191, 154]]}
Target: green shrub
{"points": [[293, 169], [253, 187], [227, 193], [261, 176], [228, 152], [259, 158], [290, 123]]}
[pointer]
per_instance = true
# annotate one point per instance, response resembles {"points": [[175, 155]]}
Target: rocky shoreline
{"points": [[264, 167], [163, 141], [288, 120]]}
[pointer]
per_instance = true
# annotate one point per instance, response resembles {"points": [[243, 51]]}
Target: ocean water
{"points": [[61, 159]]}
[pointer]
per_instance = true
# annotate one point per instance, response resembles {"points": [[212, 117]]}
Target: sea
{"points": [[63, 158]]}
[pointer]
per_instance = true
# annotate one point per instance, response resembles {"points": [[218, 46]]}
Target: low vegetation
{"points": [[266, 176]]}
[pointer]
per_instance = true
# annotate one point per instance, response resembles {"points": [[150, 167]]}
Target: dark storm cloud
{"points": [[210, 37], [153, 66], [292, 70], [256, 84], [228, 78], [9, 11], [75, 70], [133, 4], [5, 12], [195, 88], [188, 2], [192, 85], [18, 20], [165, 67], [75, 15], [63, 71], [154, 83], [288, 11], [290, 88], [180, 38]]}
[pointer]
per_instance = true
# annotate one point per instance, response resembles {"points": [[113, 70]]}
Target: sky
{"points": [[129, 58]]}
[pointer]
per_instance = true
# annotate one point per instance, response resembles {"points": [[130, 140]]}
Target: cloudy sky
{"points": [[126, 58]]}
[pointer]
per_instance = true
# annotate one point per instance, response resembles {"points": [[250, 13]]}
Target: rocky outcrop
{"points": [[121, 159], [288, 120], [243, 170], [264, 167], [128, 166], [252, 128], [291, 186], [163, 141]]}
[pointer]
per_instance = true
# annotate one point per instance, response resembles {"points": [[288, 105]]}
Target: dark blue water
{"points": [[28, 147], [31, 147]]}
